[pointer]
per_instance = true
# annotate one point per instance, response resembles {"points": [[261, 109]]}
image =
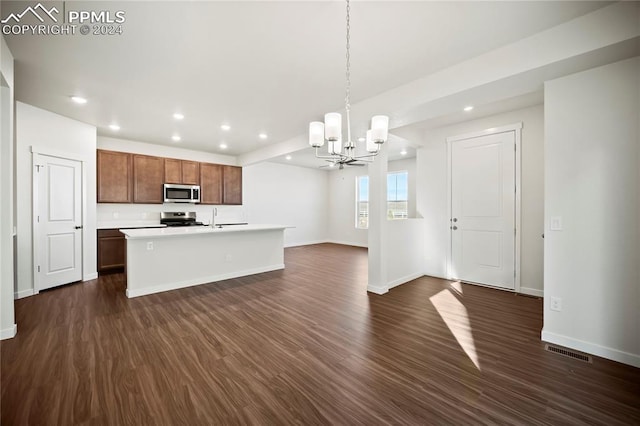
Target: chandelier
{"points": [[331, 129]]}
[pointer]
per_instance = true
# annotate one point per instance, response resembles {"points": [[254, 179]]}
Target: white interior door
{"points": [[483, 210], [58, 221]]}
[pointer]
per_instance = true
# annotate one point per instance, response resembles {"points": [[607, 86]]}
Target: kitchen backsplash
{"points": [[151, 212]]}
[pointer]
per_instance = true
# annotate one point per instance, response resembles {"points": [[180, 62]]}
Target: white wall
{"points": [[7, 219], [54, 134], [342, 207], [405, 257], [288, 195], [125, 145], [342, 200], [432, 192], [592, 161]]}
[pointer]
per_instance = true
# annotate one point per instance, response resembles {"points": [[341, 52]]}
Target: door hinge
{"points": [[38, 268], [38, 219]]}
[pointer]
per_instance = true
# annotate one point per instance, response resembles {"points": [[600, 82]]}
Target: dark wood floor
{"points": [[306, 345]]}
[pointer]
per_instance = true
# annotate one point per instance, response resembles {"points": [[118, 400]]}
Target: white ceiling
{"points": [[259, 66]]}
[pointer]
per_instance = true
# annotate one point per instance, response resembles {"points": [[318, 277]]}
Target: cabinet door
{"points": [[114, 177], [172, 170], [210, 183], [148, 177], [232, 191], [190, 172], [111, 249]]}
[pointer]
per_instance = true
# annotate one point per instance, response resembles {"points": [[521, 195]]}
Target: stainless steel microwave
{"points": [[181, 193]]}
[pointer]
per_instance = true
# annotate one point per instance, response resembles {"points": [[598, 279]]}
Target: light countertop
{"points": [[177, 231], [123, 224]]}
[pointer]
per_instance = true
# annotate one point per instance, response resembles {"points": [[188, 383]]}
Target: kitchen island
{"points": [[162, 259]]}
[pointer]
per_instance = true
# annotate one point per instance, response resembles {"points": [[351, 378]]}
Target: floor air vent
{"points": [[568, 353]]}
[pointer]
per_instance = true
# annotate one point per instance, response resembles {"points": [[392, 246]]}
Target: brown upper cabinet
{"points": [[136, 178], [210, 183], [232, 185], [148, 178], [114, 177], [181, 171]]}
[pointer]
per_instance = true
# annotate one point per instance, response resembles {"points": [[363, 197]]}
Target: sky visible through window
{"points": [[363, 188], [397, 198], [397, 187]]}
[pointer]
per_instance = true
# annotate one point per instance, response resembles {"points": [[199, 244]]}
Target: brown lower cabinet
{"points": [[111, 250]]}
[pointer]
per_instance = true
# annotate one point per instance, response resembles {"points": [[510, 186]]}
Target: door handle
{"points": [[79, 227], [455, 219], [454, 227]]}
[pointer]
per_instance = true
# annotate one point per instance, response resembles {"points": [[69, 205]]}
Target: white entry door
{"points": [[483, 210], [58, 222]]}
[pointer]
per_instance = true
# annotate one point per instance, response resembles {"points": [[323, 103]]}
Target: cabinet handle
{"points": [[79, 227]]}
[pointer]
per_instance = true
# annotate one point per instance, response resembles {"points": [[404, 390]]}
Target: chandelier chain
{"points": [[343, 152], [347, 99]]}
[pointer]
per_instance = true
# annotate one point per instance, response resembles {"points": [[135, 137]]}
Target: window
{"points": [[397, 195], [362, 202], [397, 198]]}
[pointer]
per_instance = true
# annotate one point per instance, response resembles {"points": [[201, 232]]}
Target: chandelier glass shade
{"points": [[330, 131]]}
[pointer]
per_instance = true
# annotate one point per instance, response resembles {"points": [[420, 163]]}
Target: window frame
{"points": [[358, 217], [390, 216]]}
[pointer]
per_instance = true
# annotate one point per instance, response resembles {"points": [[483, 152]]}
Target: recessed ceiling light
{"points": [[178, 116], [223, 146], [262, 135], [361, 139], [79, 99], [403, 152], [225, 127], [114, 127], [288, 157], [468, 108], [175, 138]]}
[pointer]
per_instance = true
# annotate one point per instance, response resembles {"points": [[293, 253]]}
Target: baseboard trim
{"points": [[347, 243], [531, 291], [23, 293], [404, 280], [592, 348], [9, 333], [306, 243], [89, 277], [199, 281], [442, 277], [342, 243], [377, 290]]}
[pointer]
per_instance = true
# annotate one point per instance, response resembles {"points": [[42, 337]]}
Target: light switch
{"points": [[556, 223]]}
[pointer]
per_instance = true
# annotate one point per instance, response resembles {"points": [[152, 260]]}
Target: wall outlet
{"points": [[150, 245], [555, 304], [556, 223], [229, 258], [116, 215]]}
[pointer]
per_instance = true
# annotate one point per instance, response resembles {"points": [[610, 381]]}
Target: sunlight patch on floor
{"points": [[455, 316]]}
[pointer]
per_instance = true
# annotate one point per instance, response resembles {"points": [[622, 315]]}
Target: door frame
{"points": [[35, 227], [517, 129]]}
